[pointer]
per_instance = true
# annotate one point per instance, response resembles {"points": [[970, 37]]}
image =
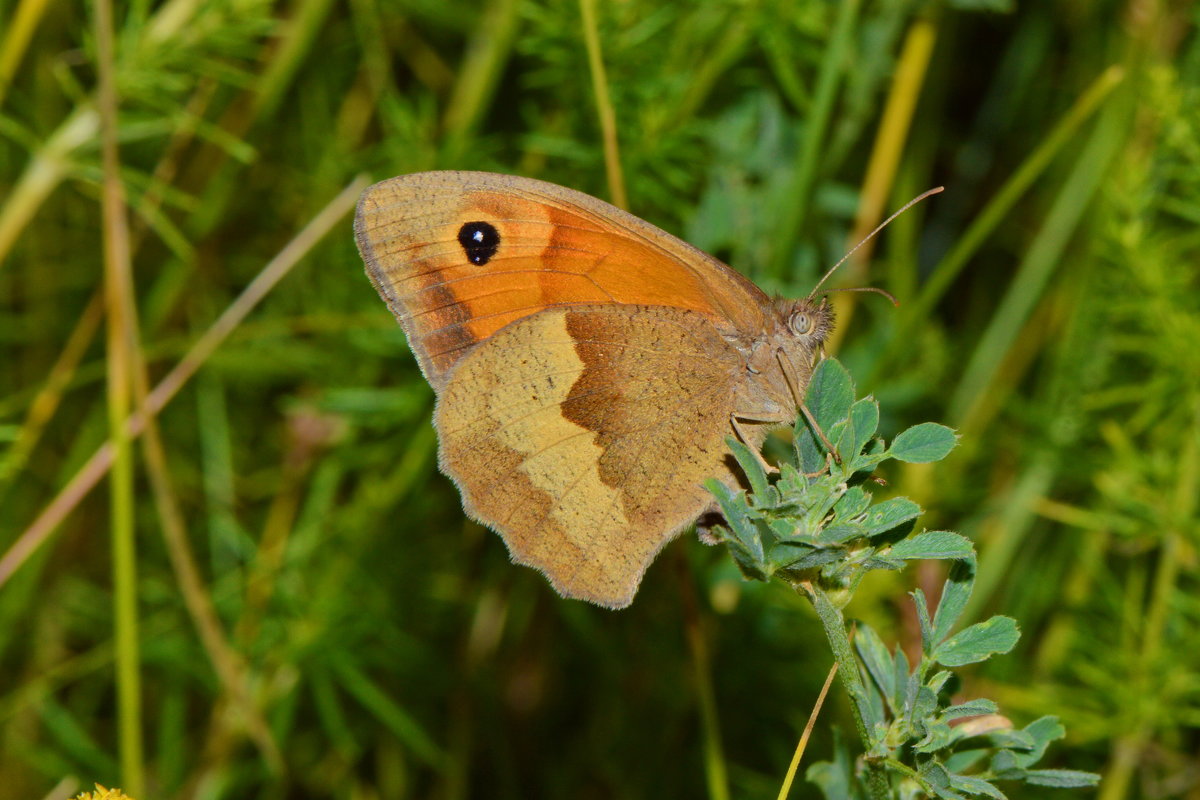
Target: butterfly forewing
{"points": [[459, 255]]}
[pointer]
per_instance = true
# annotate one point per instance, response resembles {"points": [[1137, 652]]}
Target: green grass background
{"points": [[333, 628]]}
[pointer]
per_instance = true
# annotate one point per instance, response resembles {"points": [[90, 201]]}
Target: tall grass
{"points": [[314, 618]]}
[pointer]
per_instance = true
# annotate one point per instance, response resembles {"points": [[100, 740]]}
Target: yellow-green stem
{"points": [[118, 294], [816, 124], [715, 773], [488, 51], [604, 108], [798, 755], [885, 159], [21, 25]]}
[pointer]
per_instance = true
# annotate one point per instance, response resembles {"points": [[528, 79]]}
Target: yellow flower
{"points": [[104, 794]]}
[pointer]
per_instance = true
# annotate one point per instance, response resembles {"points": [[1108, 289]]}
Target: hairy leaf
{"points": [[978, 642], [924, 443]]}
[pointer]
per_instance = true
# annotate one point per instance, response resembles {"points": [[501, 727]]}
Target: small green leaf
{"points": [[976, 786], [1011, 739], [853, 503], [901, 679], [971, 708], [876, 658], [872, 710], [937, 736], [965, 759], [923, 619], [865, 416], [830, 394], [1004, 766], [733, 507], [1042, 731], [1062, 778], [933, 544], [811, 558], [889, 515], [751, 465], [955, 595], [923, 443], [836, 534], [847, 442], [882, 562], [926, 703], [810, 454], [744, 536], [978, 642], [939, 680], [865, 700], [937, 778], [752, 568]]}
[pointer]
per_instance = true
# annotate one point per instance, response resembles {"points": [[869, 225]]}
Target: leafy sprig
{"points": [[818, 520], [818, 527]]}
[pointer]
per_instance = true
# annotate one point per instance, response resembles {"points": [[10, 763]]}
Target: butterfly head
{"points": [[785, 359], [810, 321]]}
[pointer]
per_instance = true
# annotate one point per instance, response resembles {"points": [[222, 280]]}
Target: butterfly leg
{"points": [[812, 421], [754, 448], [790, 378]]}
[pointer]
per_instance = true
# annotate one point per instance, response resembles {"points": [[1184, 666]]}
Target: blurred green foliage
{"points": [[1050, 313]]}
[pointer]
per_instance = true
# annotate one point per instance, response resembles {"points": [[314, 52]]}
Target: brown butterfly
{"points": [[588, 366]]}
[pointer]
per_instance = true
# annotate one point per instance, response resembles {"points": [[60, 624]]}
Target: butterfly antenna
{"points": [[869, 236], [874, 289]]}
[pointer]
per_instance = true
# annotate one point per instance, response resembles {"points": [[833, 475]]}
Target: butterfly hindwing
{"points": [[583, 436]]}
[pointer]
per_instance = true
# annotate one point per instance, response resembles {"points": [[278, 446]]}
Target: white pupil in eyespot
{"points": [[478, 236]]}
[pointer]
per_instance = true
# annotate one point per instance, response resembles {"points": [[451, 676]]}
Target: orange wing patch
{"points": [[457, 259]]}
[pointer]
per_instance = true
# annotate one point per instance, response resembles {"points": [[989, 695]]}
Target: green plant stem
{"points": [[490, 48], [21, 26], [891, 138], [715, 773], [816, 124], [118, 295], [880, 177], [604, 107], [839, 641]]}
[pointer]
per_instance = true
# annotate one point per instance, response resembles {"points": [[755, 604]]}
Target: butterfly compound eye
{"points": [[802, 323]]}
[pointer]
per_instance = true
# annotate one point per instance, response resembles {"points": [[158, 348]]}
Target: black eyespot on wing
{"points": [[479, 241]]}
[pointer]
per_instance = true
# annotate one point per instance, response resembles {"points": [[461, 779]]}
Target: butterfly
{"points": [[588, 366]]}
